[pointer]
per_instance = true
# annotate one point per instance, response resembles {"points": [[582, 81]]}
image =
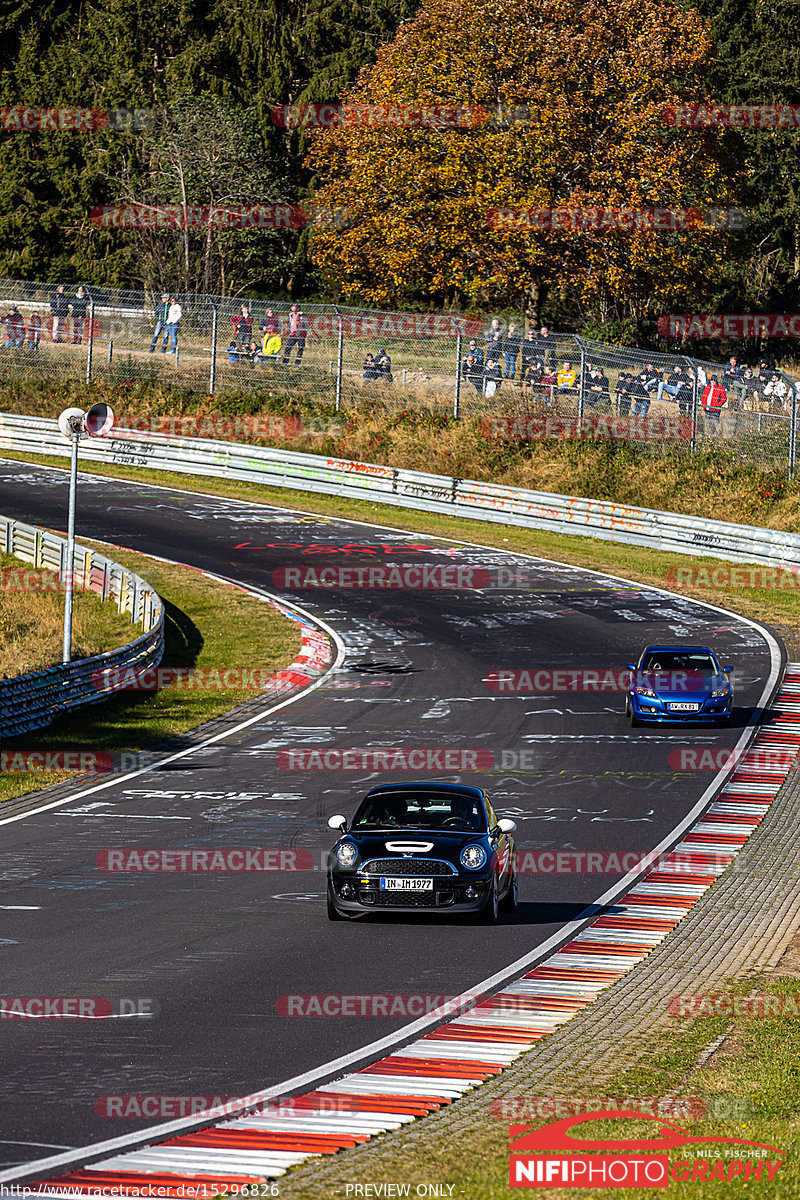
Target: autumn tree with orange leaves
{"points": [[598, 78]]}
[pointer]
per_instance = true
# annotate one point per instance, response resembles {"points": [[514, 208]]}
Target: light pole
{"points": [[73, 423]]}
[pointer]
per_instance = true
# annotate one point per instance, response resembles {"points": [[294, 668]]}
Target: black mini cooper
{"points": [[434, 846]]}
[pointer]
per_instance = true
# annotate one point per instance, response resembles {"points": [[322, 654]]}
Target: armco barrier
{"points": [[416, 490], [32, 701]]}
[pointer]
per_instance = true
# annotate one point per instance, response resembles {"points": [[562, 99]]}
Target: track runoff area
{"points": [[210, 981]]}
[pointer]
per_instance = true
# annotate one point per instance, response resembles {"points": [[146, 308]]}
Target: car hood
{"points": [[418, 844], [686, 685]]}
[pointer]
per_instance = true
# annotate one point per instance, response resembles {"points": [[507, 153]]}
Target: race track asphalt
{"points": [[216, 951]]}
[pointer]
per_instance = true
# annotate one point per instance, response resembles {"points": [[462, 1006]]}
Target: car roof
{"points": [[459, 789], [680, 649]]}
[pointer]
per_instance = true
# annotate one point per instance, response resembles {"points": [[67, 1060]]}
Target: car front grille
{"points": [[408, 866], [413, 899]]}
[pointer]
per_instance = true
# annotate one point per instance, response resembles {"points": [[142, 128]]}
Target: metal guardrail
{"points": [[32, 701], [419, 490]]}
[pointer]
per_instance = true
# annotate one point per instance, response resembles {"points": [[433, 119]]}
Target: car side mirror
{"points": [[505, 825], [631, 667], [338, 822], [728, 668]]}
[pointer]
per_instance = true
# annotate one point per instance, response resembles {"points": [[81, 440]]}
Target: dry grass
{"points": [[32, 620]]}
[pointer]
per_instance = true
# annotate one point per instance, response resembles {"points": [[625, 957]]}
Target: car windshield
{"points": [[669, 661], [422, 810]]}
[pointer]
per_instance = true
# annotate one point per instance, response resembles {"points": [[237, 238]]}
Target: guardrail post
{"points": [[457, 397], [339, 363], [212, 378], [793, 429], [90, 343]]}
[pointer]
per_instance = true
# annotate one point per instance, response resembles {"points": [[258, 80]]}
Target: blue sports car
{"points": [[678, 684]]}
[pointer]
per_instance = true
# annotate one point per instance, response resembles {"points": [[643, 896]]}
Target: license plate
{"points": [[684, 708], [404, 884]]}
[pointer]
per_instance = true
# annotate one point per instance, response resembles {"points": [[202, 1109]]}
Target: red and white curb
{"points": [[314, 657], [459, 1055]]}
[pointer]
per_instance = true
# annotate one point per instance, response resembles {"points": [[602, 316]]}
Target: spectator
{"points": [[547, 347], [162, 308], [511, 348], [59, 307], [732, 374], [653, 381], [15, 327], [80, 303], [748, 390], [298, 328], [712, 400], [34, 331], [685, 395], [638, 394], [530, 356], [566, 378], [233, 356], [674, 382], [622, 395], [472, 371], [476, 352], [548, 384], [492, 377], [494, 337], [370, 369], [253, 353], [383, 365], [494, 347], [243, 326], [271, 324], [271, 347], [597, 390], [174, 314], [776, 392]]}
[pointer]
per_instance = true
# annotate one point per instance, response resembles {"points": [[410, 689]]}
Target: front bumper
{"points": [[352, 895], [648, 709]]}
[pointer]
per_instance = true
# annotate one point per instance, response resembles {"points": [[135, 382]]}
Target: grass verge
{"points": [[32, 620], [210, 627]]}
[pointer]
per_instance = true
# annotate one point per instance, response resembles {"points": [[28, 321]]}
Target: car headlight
{"points": [[645, 691], [721, 691], [473, 857], [346, 854]]}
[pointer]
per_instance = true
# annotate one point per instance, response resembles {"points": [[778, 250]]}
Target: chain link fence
{"points": [[520, 385]]}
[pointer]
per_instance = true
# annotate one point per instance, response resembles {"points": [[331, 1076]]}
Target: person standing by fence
{"points": [[298, 328], [59, 307], [80, 303], [174, 314], [162, 308]]}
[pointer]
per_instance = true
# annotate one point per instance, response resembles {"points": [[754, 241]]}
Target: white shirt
{"points": [[174, 314]]}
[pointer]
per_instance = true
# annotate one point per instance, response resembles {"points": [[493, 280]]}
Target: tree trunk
{"points": [[533, 299]]}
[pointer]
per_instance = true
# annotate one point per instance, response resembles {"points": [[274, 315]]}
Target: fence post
{"points": [[339, 362], [581, 379], [110, 350], [793, 429], [457, 397], [212, 378], [695, 405], [90, 344]]}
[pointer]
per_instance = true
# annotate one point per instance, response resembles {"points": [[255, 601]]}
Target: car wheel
{"points": [[633, 721], [333, 912], [510, 900], [489, 913]]}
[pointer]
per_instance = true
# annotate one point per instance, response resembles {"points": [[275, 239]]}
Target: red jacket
{"points": [[714, 396]]}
